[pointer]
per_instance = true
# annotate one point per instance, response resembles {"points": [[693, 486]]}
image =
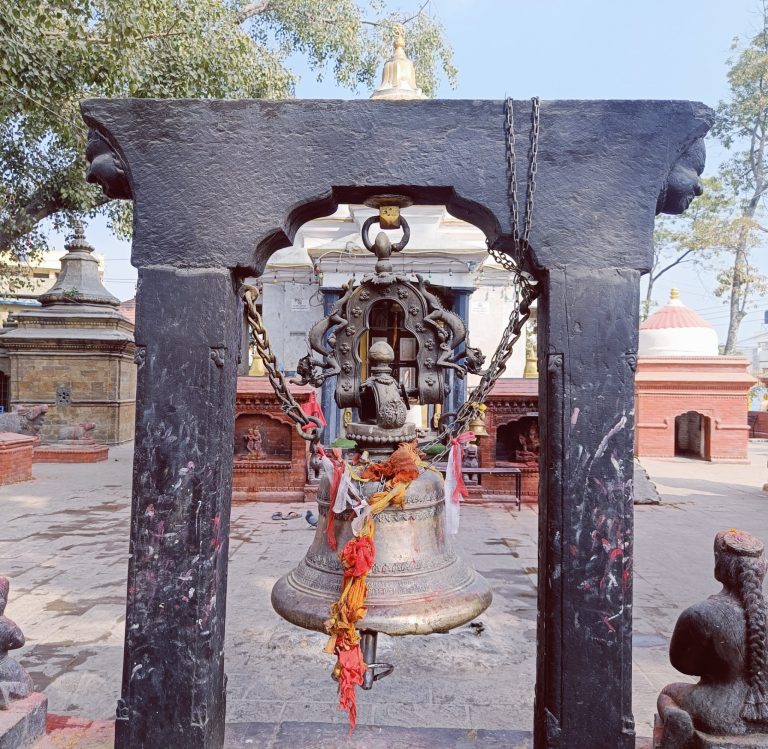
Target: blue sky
{"points": [[568, 49]]}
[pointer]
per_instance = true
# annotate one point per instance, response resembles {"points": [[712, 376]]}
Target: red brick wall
{"points": [[15, 457], [512, 400]]}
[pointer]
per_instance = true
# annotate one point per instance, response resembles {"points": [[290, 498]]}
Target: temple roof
{"points": [[675, 315], [676, 330]]}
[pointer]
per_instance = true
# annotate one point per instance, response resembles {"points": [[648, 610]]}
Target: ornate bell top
{"points": [[383, 404], [388, 340], [398, 79]]}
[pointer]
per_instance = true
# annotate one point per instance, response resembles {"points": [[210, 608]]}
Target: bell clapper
{"points": [[374, 671]]}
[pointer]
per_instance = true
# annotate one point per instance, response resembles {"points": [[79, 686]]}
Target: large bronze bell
{"points": [[418, 584]]}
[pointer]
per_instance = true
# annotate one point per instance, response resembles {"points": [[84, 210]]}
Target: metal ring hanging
{"points": [[395, 247]]}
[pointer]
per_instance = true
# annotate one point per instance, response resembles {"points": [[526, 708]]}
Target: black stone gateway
{"points": [[217, 187]]}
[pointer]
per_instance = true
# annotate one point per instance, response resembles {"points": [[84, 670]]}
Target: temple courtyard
{"points": [[64, 546]]}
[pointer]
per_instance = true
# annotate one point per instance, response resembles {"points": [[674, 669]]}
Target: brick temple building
{"points": [[691, 402], [271, 458]]}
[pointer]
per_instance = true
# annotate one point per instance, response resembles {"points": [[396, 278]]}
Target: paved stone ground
{"points": [[64, 546]]}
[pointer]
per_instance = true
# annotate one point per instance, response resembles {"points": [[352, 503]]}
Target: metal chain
{"points": [[524, 284], [309, 427], [527, 291], [520, 238], [525, 287]]}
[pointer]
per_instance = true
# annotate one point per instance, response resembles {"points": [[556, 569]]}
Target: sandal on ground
{"points": [[289, 516]]}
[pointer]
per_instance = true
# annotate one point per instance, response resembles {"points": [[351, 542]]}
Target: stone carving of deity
{"points": [[253, 443], [529, 444], [722, 640], [15, 682]]}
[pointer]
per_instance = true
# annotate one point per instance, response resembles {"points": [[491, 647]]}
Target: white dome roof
{"points": [[676, 330]]}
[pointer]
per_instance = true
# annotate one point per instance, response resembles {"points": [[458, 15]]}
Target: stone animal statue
{"points": [[722, 640], [469, 461], [80, 432], [24, 420], [15, 682]]}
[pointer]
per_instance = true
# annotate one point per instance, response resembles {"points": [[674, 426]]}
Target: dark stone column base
{"points": [[707, 741], [23, 723], [752, 741]]}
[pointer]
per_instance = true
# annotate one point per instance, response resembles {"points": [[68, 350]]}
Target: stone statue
{"points": [[529, 444], [15, 682], [723, 641], [24, 420], [683, 184], [79, 433], [253, 443], [469, 461], [105, 168]]}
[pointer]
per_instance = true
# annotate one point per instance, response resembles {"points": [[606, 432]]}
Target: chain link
{"points": [[309, 427], [524, 284], [519, 236], [526, 293]]}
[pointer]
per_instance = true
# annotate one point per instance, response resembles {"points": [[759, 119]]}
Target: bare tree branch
{"points": [[404, 22], [252, 9], [679, 260]]}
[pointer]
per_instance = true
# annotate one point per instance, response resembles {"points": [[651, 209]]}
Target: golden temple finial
{"points": [[398, 79], [674, 294]]}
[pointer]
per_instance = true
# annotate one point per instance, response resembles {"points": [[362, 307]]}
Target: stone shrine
{"points": [[214, 198], [270, 458], [512, 421], [74, 353], [691, 402]]}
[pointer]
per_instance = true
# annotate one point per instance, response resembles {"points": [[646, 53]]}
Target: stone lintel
{"points": [[270, 166]]}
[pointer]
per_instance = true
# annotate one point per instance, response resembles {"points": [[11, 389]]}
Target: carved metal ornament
{"points": [[441, 336]]}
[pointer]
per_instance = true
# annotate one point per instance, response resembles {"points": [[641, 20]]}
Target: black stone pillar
{"points": [[188, 335], [588, 322]]}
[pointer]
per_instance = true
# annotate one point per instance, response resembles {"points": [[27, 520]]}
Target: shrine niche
{"points": [[270, 458], [512, 421], [214, 199]]}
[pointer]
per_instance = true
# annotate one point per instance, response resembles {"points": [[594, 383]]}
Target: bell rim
{"points": [[397, 617]]}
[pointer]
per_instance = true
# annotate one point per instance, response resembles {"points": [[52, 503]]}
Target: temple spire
{"points": [[78, 282], [398, 79]]}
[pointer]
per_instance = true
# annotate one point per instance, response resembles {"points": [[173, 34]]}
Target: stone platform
{"points": [[23, 723], [755, 741], [74, 453], [78, 734]]}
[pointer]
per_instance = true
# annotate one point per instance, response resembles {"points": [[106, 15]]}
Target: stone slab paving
{"points": [[64, 545]]}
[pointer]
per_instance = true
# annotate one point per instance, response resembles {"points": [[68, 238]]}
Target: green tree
{"points": [[693, 238], [56, 52], [742, 125]]}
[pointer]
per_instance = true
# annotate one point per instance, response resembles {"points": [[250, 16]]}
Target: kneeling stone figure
{"points": [[723, 641], [15, 682]]}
